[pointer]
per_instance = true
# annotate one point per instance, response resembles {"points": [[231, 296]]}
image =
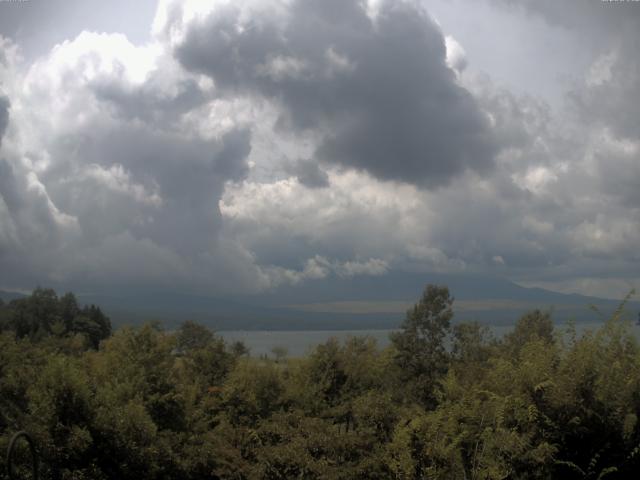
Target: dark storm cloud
{"points": [[377, 90], [4, 116]]}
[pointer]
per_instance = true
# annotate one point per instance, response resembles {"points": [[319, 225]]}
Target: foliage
{"points": [[43, 314], [421, 356], [442, 402]]}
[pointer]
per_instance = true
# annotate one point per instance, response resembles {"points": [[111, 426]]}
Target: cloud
{"points": [[102, 182], [456, 56], [377, 91], [607, 96], [257, 144], [22, 21], [4, 116], [319, 267], [356, 217], [604, 101], [308, 173], [558, 205], [113, 171], [594, 16]]}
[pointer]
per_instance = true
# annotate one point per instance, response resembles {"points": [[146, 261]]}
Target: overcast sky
{"points": [[224, 147]]}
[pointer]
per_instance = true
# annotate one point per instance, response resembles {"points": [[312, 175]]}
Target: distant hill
{"points": [[8, 296], [351, 304]]}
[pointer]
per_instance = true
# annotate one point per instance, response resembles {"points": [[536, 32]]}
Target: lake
{"points": [[300, 342]]}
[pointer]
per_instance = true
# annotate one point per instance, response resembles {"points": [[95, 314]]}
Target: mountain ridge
{"points": [[486, 299], [344, 303]]}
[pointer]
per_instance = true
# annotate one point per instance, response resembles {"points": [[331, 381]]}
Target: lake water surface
{"points": [[300, 343]]}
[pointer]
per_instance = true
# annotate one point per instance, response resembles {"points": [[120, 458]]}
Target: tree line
{"points": [[445, 400]]}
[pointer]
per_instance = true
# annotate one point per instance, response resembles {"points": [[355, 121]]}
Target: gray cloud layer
{"points": [[607, 101], [249, 147], [377, 90], [4, 116], [585, 15], [101, 184]]}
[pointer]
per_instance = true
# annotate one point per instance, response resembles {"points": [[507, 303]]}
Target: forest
{"points": [[445, 400]]}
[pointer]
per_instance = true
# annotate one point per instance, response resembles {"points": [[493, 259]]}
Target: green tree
{"points": [[252, 392], [43, 314], [279, 353], [472, 347], [192, 335], [90, 321], [421, 355], [239, 349], [5, 317], [68, 310], [34, 316], [536, 324]]}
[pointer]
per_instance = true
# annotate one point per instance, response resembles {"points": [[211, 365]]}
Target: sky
{"points": [[232, 148]]}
